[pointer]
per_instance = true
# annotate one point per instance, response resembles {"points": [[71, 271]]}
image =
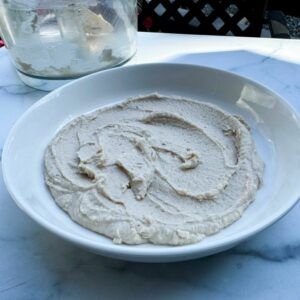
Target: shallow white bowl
{"points": [[276, 130]]}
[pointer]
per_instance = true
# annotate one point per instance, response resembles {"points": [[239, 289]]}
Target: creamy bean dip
{"points": [[154, 169]]}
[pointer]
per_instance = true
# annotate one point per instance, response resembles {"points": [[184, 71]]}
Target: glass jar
{"points": [[53, 41]]}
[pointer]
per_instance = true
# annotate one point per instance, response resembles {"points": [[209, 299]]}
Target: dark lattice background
{"points": [[216, 17]]}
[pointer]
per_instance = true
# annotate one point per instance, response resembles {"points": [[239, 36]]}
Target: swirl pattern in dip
{"points": [[154, 169]]}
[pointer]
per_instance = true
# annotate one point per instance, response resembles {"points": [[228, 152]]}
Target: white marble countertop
{"points": [[34, 264]]}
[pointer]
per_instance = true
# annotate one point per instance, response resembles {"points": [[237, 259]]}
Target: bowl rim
{"points": [[131, 251]]}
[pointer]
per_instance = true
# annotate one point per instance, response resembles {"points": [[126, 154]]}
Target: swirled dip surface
{"points": [[154, 170]]}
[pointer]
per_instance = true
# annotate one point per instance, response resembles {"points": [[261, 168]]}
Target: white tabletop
{"points": [[34, 264]]}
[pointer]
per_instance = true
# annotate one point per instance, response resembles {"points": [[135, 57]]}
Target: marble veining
{"points": [[34, 264], [282, 254], [17, 89]]}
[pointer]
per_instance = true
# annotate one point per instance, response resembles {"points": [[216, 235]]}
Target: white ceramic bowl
{"points": [[275, 126]]}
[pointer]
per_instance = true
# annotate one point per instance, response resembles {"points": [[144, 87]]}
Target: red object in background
{"points": [[1, 43], [148, 23]]}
